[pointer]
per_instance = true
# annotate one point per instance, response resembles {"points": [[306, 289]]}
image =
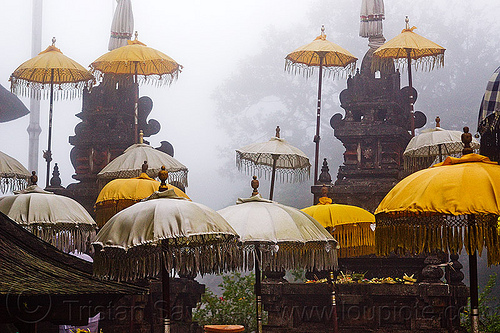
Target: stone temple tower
{"points": [[375, 127]]}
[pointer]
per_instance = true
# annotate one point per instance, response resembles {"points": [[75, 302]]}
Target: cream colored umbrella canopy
{"points": [[129, 165], [56, 219], [122, 26], [275, 155], [13, 175], [432, 146], [277, 237], [161, 234]]}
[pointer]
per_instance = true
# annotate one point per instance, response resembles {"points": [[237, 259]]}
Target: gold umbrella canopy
{"points": [[13, 175], [35, 77], [136, 59], [39, 76], [320, 53], [119, 194], [408, 46], [351, 226], [456, 202]]}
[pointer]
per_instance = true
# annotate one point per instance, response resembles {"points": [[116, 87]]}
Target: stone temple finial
{"points": [[466, 140], [255, 185]]}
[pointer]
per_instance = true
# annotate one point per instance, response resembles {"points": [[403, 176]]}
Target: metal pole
{"points": [[273, 175], [136, 108], [474, 296], [165, 284], [48, 153], [334, 304], [410, 83], [34, 128], [258, 288], [318, 112]]}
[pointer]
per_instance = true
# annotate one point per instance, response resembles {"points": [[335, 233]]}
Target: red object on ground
{"points": [[223, 328]]}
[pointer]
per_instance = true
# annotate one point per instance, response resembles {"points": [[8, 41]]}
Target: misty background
{"points": [[233, 89]]}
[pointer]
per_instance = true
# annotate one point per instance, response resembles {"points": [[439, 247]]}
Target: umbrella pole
{"points": [[318, 112], [334, 303], [273, 175], [165, 284], [258, 288], [136, 108], [474, 297], [410, 84], [48, 153]]}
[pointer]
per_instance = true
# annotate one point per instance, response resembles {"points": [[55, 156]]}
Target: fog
{"points": [[212, 40]]}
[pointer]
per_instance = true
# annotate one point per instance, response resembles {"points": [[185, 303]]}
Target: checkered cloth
{"points": [[489, 112]]}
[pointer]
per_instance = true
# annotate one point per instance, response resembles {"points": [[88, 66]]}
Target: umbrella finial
{"points": [[407, 20], [144, 167], [438, 121], [163, 175], [255, 185], [137, 34], [33, 178], [278, 131], [141, 137], [466, 140], [53, 41]]}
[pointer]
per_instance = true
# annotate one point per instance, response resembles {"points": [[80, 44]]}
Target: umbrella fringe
{"points": [[66, 237], [284, 175], [104, 210], [125, 79], [354, 239], [413, 163], [307, 71], [426, 232], [200, 254], [13, 182], [290, 255], [424, 63], [179, 176], [37, 90]]}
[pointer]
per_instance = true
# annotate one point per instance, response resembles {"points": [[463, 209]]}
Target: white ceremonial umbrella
{"points": [[164, 233], [13, 175], [275, 155], [122, 26], [56, 219], [280, 238], [432, 146], [129, 165]]}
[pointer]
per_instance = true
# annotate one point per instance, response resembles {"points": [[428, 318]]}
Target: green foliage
{"points": [[298, 275], [236, 306], [489, 311]]}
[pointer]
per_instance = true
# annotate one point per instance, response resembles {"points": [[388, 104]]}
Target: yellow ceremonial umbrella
{"points": [[351, 226], [320, 53], [455, 203], [139, 61], [48, 69], [119, 194], [404, 48]]}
